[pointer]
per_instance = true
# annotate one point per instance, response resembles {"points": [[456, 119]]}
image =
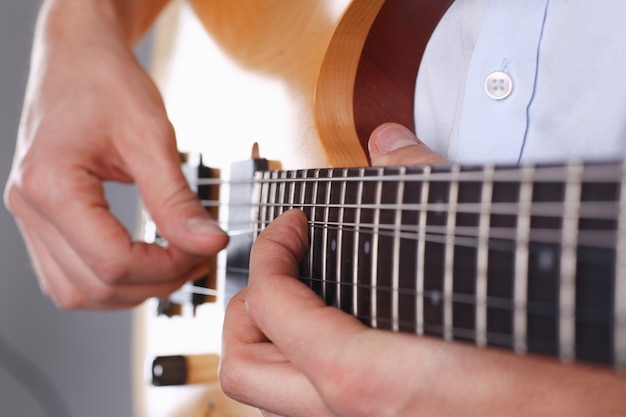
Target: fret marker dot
{"points": [[545, 260], [435, 298], [333, 245], [367, 247], [439, 206]]}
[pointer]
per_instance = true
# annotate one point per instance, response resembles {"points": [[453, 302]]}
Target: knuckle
{"points": [[10, 197], [111, 272], [340, 387], [178, 196], [346, 389], [34, 183], [164, 290], [103, 295], [230, 375], [69, 300], [156, 128]]}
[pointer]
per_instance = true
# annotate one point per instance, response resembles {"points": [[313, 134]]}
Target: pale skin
{"points": [[287, 353], [89, 113]]}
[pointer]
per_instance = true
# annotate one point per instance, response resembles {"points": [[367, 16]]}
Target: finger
{"points": [[274, 264], [394, 144], [89, 228], [71, 285], [274, 294], [254, 372], [332, 349], [175, 209], [67, 278], [54, 282]]}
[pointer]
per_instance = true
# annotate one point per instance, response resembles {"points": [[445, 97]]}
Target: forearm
{"points": [[77, 18], [82, 35], [482, 382]]}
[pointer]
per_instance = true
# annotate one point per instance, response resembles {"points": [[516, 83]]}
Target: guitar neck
{"points": [[528, 258]]}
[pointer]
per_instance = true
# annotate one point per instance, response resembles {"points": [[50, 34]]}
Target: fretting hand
{"points": [[286, 352]]}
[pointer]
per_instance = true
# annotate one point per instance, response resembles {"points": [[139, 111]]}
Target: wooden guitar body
{"points": [[285, 74]]}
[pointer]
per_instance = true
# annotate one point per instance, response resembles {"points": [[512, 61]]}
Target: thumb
{"points": [[174, 207], [394, 144]]}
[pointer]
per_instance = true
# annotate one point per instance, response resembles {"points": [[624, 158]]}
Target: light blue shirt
{"points": [[566, 60]]}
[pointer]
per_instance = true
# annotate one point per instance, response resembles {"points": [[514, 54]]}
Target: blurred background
{"points": [[52, 363]]}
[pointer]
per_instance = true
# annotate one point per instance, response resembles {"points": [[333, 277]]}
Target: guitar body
{"points": [[287, 75], [246, 72]]}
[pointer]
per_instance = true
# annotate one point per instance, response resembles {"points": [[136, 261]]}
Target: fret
{"points": [[282, 193], [434, 256], [544, 273], [257, 199], [619, 330], [501, 260], [293, 175], [300, 184], [396, 266], [465, 265], [357, 244], [346, 241], [449, 254], [520, 279], [567, 289], [374, 250], [421, 253], [339, 242], [272, 197], [482, 257], [310, 210], [263, 209], [301, 189], [388, 214], [328, 256], [318, 242], [595, 275], [410, 194], [366, 259]]}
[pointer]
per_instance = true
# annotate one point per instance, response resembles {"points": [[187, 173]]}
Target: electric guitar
{"points": [[525, 258]]}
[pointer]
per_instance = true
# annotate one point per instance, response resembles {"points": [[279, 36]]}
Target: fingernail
{"points": [[393, 138], [204, 226]]}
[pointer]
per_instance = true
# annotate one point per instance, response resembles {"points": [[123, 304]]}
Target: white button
{"points": [[498, 85]]}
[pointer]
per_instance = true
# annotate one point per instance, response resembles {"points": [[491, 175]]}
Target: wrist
{"points": [[76, 19]]}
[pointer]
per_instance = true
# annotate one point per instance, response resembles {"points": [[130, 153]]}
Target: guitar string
{"points": [[464, 236], [501, 239], [545, 311], [437, 298], [592, 210], [589, 210], [592, 173]]}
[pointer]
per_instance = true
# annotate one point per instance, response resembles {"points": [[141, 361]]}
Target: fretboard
{"points": [[528, 258]]}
